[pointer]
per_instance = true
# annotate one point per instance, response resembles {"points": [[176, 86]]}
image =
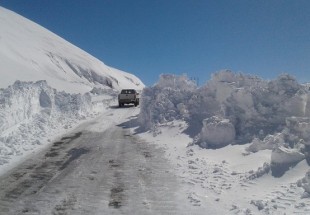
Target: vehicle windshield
{"points": [[128, 92]]}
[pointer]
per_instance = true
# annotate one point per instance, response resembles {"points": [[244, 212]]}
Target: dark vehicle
{"points": [[128, 96]]}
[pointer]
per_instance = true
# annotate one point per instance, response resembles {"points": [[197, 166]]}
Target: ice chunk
{"points": [[217, 132], [285, 155], [282, 159]]}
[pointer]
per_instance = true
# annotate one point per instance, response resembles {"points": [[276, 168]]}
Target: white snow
{"points": [[216, 132], [229, 180], [240, 144], [47, 87], [33, 114], [284, 155], [29, 52]]}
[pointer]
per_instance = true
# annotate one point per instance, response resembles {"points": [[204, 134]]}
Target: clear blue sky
{"points": [[196, 37]]}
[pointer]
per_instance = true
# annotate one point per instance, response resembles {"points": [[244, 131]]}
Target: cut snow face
{"points": [[32, 113], [235, 109], [29, 52]]}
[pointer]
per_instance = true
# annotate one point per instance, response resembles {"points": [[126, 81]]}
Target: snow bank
{"points": [[33, 112], [165, 101], [255, 108], [235, 109], [266, 121]]}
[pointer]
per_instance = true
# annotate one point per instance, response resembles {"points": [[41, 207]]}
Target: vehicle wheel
{"points": [[136, 104], [120, 104]]}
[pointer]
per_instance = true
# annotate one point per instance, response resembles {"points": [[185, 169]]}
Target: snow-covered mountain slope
{"points": [[47, 87], [29, 52]]}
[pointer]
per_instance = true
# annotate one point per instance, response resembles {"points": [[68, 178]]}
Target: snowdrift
{"points": [[235, 108]]}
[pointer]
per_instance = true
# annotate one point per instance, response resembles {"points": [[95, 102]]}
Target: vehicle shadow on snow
{"points": [[123, 107], [133, 123], [193, 129]]}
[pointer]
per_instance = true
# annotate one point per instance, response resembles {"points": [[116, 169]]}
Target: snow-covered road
{"points": [[99, 168]]}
